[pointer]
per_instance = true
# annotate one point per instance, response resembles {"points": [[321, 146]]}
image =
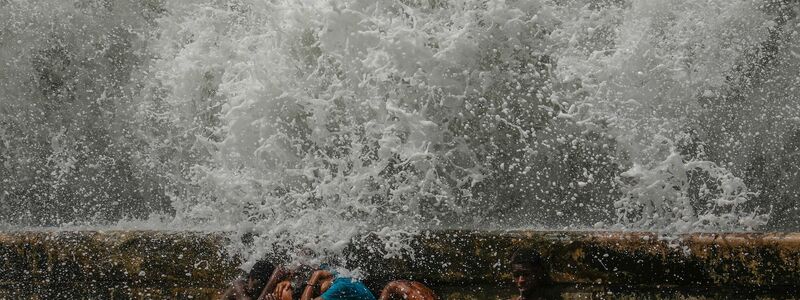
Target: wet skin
{"points": [[407, 290], [283, 291]]}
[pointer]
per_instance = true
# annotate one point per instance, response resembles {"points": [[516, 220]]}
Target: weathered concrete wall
{"points": [[734, 259], [140, 264], [147, 264]]}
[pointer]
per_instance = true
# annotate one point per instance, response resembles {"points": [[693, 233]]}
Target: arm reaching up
{"points": [[319, 282]]}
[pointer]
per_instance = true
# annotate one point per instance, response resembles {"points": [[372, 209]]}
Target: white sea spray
{"points": [[303, 126]]}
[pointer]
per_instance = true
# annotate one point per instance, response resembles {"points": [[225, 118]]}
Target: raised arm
{"points": [[280, 274], [315, 284]]}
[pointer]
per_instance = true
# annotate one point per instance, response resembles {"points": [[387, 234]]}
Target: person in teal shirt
{"points": [[346, 288], [331, 286]]}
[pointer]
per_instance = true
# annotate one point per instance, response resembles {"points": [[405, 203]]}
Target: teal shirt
{"points": [[345, 288]]}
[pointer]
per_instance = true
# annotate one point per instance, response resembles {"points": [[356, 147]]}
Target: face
{"points": [[526, 277]]}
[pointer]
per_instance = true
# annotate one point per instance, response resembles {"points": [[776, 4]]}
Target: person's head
{"points": [[528, 270], [258, 276]]}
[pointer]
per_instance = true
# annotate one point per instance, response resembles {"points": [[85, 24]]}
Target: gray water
{"points": [[308, 123]]}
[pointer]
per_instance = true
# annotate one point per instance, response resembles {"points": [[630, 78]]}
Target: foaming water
{"points": [[307, 124]]}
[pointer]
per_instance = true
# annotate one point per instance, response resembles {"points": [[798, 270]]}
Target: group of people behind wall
{"points": [[269, 282]]}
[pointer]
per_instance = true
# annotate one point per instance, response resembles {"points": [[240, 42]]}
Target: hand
{"points": [[316, 280], [283, 291], [279, 275]]}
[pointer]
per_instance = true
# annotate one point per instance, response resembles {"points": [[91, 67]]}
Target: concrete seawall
{"points": [[151, 264], [116, 264], [742, 259]]}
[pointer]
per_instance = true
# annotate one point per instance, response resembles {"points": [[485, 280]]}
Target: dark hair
{"points": [[262, 270], [527, 256]]}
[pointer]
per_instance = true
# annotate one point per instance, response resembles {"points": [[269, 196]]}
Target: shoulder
{"points": [[410, 290], [398, 284]]}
